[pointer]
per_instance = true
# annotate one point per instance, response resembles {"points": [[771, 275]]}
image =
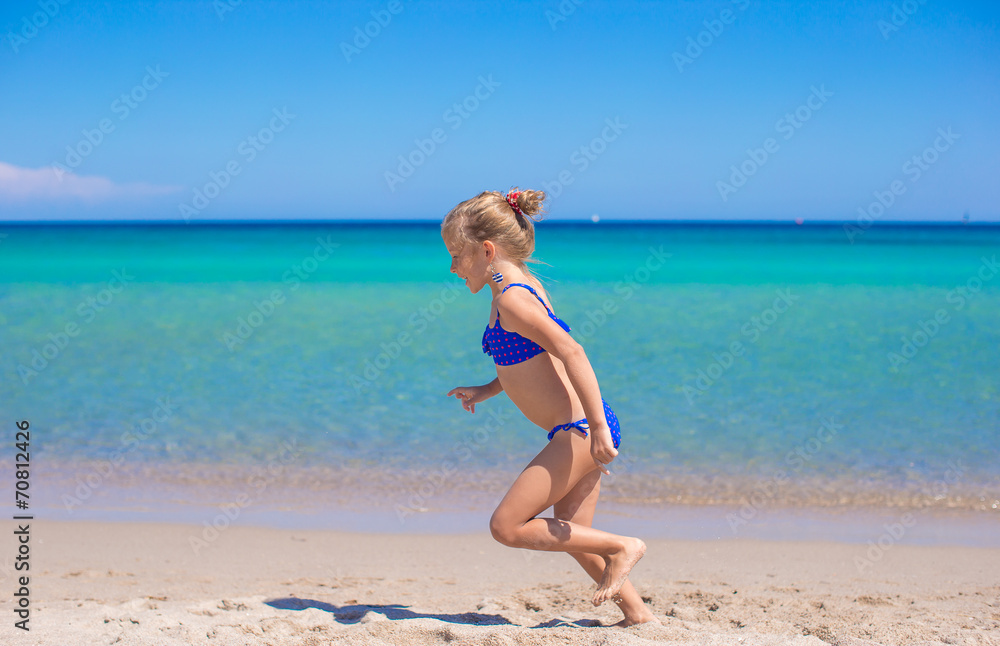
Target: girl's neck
{"points": [[511, 274]]}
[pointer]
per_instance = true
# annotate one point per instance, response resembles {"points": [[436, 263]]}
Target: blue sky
{"points": [[727, 110]]}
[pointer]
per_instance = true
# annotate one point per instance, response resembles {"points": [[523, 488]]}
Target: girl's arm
{"points": [[524, 316], [472, 395], [581, 375]]}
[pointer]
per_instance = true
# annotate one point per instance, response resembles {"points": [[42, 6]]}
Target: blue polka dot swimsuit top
{"points": [[508, 348]]}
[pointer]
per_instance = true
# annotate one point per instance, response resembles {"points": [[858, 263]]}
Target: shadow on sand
{"points": [[353, 614]]}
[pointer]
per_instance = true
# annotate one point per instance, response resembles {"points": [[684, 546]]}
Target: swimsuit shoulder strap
{"points": [[532, 290]]}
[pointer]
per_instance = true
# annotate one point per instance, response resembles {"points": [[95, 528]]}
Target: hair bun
{"points": [[526, 204]]}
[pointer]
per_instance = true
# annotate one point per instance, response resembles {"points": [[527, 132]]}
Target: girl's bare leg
{"points": [[547, 479], [578, 507]]}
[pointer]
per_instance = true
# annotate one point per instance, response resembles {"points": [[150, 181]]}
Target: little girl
{"points": [[547, 375]]}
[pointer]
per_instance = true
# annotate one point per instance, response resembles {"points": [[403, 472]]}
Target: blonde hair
{"points": [[488, 216]]}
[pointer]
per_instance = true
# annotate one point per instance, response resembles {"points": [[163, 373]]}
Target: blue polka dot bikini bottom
{"points": [[583, 426]]}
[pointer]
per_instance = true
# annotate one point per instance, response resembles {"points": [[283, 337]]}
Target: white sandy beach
{"points": [[137, 583]]}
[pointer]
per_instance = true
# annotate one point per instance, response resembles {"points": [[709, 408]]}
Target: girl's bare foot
{"points": [[644, 616], [617, 569], [626, 622]]}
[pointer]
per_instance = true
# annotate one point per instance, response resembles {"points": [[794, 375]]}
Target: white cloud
{"points": [[48, 184]]}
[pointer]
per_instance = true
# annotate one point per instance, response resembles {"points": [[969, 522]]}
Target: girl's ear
{"points": [[490, 249]]}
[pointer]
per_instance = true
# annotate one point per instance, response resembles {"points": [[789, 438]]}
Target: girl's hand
{"points": [[602, 447], [472, 395]]}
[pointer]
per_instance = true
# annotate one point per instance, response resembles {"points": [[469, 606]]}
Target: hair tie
{"points": [[511, 198]]}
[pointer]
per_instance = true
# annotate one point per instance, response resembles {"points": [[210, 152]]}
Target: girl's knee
{"points": [[503, 532]]}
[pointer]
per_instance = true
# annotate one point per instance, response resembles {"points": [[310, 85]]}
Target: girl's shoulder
{"points": [[516, 295]]}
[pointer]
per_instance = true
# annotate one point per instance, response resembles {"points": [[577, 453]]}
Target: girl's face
{"points": [[469, 263]]}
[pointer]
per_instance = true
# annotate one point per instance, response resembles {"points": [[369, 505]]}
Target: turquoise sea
{"points": [[301, 368]]}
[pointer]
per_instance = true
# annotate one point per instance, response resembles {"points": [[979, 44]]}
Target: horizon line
{"points": [[575, 222]]}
